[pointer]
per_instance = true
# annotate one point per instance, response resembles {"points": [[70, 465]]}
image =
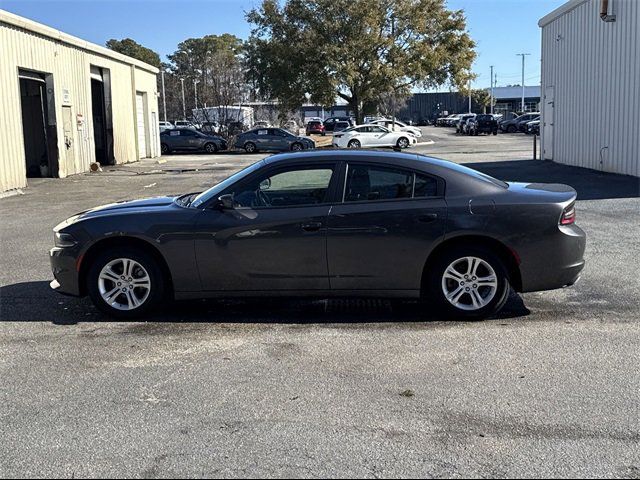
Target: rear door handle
{"points": [[312, 226], [428, 217]]}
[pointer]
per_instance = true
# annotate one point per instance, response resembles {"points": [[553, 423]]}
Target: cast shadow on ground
{"points": [[36, 302], [590, 184]]}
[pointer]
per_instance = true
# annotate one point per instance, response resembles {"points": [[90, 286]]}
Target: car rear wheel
{"points": [[354, 143], [210, 148], [250, 147], [125, 282], [164, 148], [468, 283], [296, 147]]}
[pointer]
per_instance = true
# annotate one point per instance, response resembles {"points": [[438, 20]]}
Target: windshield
{"points": [[216, 190]]}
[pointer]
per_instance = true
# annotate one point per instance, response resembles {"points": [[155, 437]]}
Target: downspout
{"points": [[604, 12]]}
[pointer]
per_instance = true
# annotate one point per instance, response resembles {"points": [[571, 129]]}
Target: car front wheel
{"points": [[210, 148], [403, 142], [468, 283], [164, 148], [125, 282], [296, 147]]}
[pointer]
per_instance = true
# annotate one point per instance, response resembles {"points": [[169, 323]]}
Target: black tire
{"points": [[512, 129], [148, 262], [495, 132], [403, 141], [354, 144], [250, 147], [433, 288], [210, 147], [164, 148], [296, 147]]}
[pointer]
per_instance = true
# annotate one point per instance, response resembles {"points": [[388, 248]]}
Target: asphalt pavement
{"points": [[550, 388]]}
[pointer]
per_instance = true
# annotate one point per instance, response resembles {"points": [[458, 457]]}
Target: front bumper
{"points": [[64, 263]]}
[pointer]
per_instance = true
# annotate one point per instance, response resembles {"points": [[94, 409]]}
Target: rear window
{"points": [[484, 117]]}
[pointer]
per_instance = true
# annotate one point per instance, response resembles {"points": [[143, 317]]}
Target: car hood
{"points": [[126, 206]]}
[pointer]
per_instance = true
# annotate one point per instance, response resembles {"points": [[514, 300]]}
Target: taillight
{"points": [[568, 215]]}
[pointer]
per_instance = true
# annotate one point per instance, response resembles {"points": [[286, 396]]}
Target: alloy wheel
{"points": [[124, 284], [469, 283], [354, 144], [403, 143]]}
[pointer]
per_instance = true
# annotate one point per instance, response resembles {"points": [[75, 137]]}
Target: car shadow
{"points": [[590, 184], [36, 302]]}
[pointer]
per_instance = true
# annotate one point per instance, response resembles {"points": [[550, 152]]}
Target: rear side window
{"points": [[371, 183]]}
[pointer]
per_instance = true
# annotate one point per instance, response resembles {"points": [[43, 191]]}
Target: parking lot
{"points": [[322, 388]]}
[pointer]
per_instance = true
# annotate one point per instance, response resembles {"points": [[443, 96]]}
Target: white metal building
{"points": [[591, 85], [65, 103]]}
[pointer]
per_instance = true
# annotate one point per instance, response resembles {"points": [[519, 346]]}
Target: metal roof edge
{"points": [[44, 30], [560, 11]]}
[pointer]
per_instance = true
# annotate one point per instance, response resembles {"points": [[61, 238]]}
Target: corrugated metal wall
{"points": [[594, 68], [70, 66]]}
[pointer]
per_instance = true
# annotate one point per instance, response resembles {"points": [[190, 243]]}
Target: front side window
{"points": [[367, 182], [294, 187]]}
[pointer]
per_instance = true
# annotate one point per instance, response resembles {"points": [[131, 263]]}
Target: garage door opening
{"points": [[101, 115], [41, 161]]}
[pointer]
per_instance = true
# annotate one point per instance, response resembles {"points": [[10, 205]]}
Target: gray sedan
{"points": [[272, 139], [328, 224], [189, 139]]}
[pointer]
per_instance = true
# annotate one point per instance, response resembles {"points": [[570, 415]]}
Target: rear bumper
{"points": [[555, 263], [65, 274]]}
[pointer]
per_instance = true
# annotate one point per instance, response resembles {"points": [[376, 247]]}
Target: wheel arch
{"points": [[507, 255], [122, 241]]}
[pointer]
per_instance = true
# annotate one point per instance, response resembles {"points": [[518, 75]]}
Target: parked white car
{"points": [[166, 126], [399, 126], [372, 136]]}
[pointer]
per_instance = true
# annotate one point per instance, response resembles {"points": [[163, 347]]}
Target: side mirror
{"points": [[265, 184], [225, 202]]}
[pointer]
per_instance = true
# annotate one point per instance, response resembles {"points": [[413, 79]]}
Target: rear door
{"points": [[381, 233]]}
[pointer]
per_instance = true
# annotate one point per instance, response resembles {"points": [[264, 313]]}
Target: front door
{"points": [[274, 239], [380, 235]]}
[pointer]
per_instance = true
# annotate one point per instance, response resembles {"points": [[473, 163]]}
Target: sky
{"points": [[501, 28]]}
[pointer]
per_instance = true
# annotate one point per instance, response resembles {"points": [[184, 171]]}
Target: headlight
{"points": [[64, 240]]}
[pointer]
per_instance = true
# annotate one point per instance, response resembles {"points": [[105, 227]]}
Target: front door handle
{"points": [[427, 218], [312, 226]]}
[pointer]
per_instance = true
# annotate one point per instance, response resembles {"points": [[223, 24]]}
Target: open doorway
{"points": [[101, 115], [34, 102]]}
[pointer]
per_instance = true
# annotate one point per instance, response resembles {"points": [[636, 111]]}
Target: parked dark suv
{"points": [[189, 139], [482, 124], [330, 123]]}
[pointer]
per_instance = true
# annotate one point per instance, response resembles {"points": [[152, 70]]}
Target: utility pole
{"points": [[164, 98], [184, 110], [491, 82], [523, 55], [469, 95]]}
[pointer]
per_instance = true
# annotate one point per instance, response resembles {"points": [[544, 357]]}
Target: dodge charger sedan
{"points": [[336, 223]]}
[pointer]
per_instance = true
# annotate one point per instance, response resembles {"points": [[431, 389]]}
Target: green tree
{"points": [[358, 50], [133, 49]]}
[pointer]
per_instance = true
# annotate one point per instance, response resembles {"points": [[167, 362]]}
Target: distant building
{"points": [[509, 99], [66, 103], [590, 76]]}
